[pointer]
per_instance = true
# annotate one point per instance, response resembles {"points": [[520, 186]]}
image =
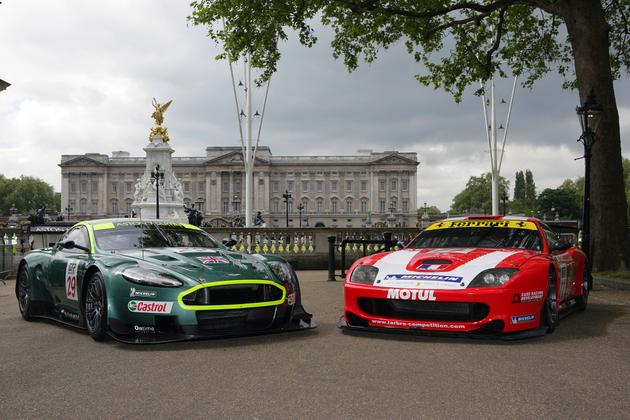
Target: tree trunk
{"points": [[588, 32]]}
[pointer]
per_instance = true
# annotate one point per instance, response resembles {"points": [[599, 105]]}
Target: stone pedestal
{"points": [[171, 193]]}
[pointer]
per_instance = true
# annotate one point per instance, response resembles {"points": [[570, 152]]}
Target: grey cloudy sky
{"points": [[83, 75]]}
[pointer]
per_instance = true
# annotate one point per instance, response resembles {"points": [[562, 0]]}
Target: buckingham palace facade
{"points": [[363, 190]]}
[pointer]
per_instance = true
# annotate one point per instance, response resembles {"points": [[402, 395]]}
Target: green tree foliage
{"points": [[560, 201], [27, 193], [458, 43], [519, 186], [431, 210], [530, 189], [476, 198]]}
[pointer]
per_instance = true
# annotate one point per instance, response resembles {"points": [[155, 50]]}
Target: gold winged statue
{"points": [[158, 116]]}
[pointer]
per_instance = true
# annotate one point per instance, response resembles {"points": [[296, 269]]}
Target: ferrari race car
{"points": [[156, 281], [503, 276]]}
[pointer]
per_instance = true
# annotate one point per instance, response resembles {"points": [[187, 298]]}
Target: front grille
{"points": [[425, 311], [241, 320], [233, 294]]}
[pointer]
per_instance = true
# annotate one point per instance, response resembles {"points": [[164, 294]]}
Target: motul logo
{"points": [[150, 307], [410, 294]]}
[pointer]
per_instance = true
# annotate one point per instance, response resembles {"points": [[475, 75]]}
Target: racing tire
{"points": [[23, 292], [549, 316], [95, 307], [582, 301]]}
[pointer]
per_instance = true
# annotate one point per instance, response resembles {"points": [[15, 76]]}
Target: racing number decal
{"points": [[566, 274], [71, 281]]}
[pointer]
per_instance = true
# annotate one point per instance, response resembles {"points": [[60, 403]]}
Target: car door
{"points": [[66, 268], [564, 263]]}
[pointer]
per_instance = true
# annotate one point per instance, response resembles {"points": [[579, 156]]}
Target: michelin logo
{"points": [[517, 319], [426, 277], [410, 294]]}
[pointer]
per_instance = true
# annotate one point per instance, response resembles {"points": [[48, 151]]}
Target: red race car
{"points": [[506, 276]]}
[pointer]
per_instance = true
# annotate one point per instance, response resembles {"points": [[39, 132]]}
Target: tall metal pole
{"points": [[495, 166], [249, 164]]}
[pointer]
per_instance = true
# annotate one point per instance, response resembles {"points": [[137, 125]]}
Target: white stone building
{"points": [[374, 189]]}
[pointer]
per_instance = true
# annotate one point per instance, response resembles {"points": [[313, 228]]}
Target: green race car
{"points": [[143, 281]]}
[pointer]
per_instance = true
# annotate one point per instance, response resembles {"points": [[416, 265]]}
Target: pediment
{"points": [[81, 161], [232, 158], [394, 159]]}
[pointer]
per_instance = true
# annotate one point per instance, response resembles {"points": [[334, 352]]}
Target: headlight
{"points": [[493, 277], [284, 272], [150, 277], [364, 274]]}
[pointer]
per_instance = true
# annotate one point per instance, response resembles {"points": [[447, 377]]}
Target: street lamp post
{"points": [[300, 207], [286, 196], [589, 115], [157, 178]]}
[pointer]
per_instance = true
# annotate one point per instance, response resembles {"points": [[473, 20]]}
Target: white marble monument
{"points": [[171, 196]]}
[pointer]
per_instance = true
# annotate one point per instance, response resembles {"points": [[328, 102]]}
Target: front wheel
{"points": [[549, 316], [95, 307], [23, 292]]}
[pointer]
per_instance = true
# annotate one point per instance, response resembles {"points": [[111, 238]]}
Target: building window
{"points": [[94, 186], [305, 206], [200, 204], [128, 203], [304, 186], [226, 186], [73, 187], [226, 207], [201, 187], [275, 206], [114, 206], [393, 204], [83, 186], [320, 186], [186, 186], [237, 185], [348, 186], [364, 206], [274, 186], [364, 186], [129, 187], [115, 189], [333, 205], [333, 186], [319, 205], [405, 206], [394, 185], [381, 206], [290, 186], [405, 184], [94, 206], [349, 205], [290, 206], [82, 206], [381, 185]]}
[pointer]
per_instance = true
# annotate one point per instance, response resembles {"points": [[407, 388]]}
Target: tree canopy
{"points": [[459, 43], [27, 194], [476, 197]]}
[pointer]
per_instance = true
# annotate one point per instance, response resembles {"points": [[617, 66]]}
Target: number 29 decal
{"points": [[71, 281]]}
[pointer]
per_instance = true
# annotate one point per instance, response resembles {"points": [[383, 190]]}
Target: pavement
{"points": [[582, 370]]}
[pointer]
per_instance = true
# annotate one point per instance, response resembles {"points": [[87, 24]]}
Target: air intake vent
{"points": [[440, 262]]}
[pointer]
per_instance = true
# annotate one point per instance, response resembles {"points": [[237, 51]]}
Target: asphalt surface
{"points": [[582, 370]]}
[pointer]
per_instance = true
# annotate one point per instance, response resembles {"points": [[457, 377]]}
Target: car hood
{"points": [[202, 265], [449, 268]]}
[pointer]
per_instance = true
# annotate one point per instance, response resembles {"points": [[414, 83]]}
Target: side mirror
{"points": [[71, 245], [229, 242], [563, 246]]}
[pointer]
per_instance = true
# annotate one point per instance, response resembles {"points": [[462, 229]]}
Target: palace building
{"points": [[363, 190]]}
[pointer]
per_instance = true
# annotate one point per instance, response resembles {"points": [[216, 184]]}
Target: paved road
{"points": [[580, 371]]}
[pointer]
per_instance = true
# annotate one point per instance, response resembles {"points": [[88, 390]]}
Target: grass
{"points": [[618, 275]]}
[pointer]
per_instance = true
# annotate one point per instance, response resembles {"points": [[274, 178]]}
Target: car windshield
{"points": [[149, 235], [478, 237]]}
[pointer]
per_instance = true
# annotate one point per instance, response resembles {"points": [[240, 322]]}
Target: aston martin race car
{"points": [[156, 281], [505, 276]]}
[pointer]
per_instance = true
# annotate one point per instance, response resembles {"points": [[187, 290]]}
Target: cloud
{"points": [[83, 76]]}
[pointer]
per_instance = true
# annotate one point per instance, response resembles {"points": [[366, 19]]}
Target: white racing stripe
{"points": [[392, 271]]}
